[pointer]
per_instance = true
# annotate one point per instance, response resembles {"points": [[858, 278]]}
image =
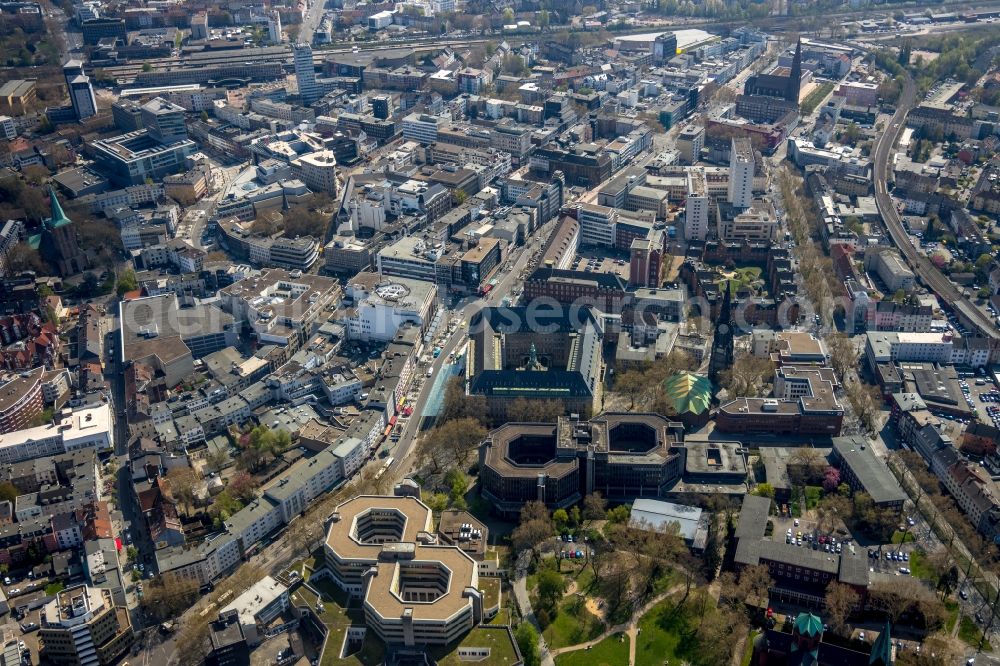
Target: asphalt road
{"points": [[466, 309]]}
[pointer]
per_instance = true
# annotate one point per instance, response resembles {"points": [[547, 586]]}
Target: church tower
{"points": [[795, 75], [58, 243], [722, 343]]}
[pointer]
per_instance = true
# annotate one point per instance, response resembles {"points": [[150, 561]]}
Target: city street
{"points": [[510, 279]]}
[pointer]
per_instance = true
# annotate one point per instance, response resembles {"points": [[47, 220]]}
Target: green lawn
{"points": [[970, 634], [813, 494], [951, 606], [902, 537], [338, 617], [612, 651], [919, 568], [498, 639], [810, 103], [661, 634], [573, 624], [748, 649]]}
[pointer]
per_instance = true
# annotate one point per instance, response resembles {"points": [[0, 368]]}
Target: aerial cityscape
{"points": [[506, 332]]}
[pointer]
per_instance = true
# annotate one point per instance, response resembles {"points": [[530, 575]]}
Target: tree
{"points": [[831, 479], [745, 376], [458, 405], [457, 485], [508, 15], [535, 411], [132, 553], [23, 257], [534, 528], [560, 518], [543, 19], [594, 506], [527, 641], [183, 482], [243, 486], [551, 586], [216, 460], [633, 384], [764, 489], [224, 506], [127, 282], [805, 465], [450, 444], [8, 492], [755, 583], [843, 354], [163, 601], [301, 221], [841, 601]]}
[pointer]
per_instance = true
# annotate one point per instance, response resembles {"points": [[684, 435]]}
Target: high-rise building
{"points": [[318, 171], [381, 106], [722, 342], [274, 27], [664, 48], [164, 121], [81, 92], [690, 142], [696, 206], [741, 170], [305, 73], [82, 625]]}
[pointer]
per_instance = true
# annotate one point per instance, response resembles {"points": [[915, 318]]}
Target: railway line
{"points": [[283, 54], [931, 277]]}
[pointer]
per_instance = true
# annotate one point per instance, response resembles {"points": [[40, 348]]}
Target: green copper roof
{"points": [[58, 217], [882, 649], [807, 624], [688, 393]]}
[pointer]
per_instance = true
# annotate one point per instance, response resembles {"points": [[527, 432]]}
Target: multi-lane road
{"points": [[931, 276], [464, 311]]}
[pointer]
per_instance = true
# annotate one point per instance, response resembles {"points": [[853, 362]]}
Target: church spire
{"points": [[56, 215], [795, 74]]}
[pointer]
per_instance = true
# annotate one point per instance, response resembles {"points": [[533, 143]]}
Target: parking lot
{"points": [[981, 394]]}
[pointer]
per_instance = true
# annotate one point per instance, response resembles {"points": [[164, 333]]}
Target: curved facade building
{"points": [[415, 591], [21, 400]]}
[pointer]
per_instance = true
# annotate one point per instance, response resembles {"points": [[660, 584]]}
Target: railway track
{"points": [[921, 265], [283, 54]]}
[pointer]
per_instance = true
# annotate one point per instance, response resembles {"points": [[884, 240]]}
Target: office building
{"points": [[696, 206], [741, 172], [155, 330], [81, 92], [164, 121], [690, 141], [274, 27], [422, 128], [318, 171], [82, 626], [131, 159], [536, 353], [620, 455], [305, 73], [382, 106], [257, 607], [415, 592], [865, 471]]}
